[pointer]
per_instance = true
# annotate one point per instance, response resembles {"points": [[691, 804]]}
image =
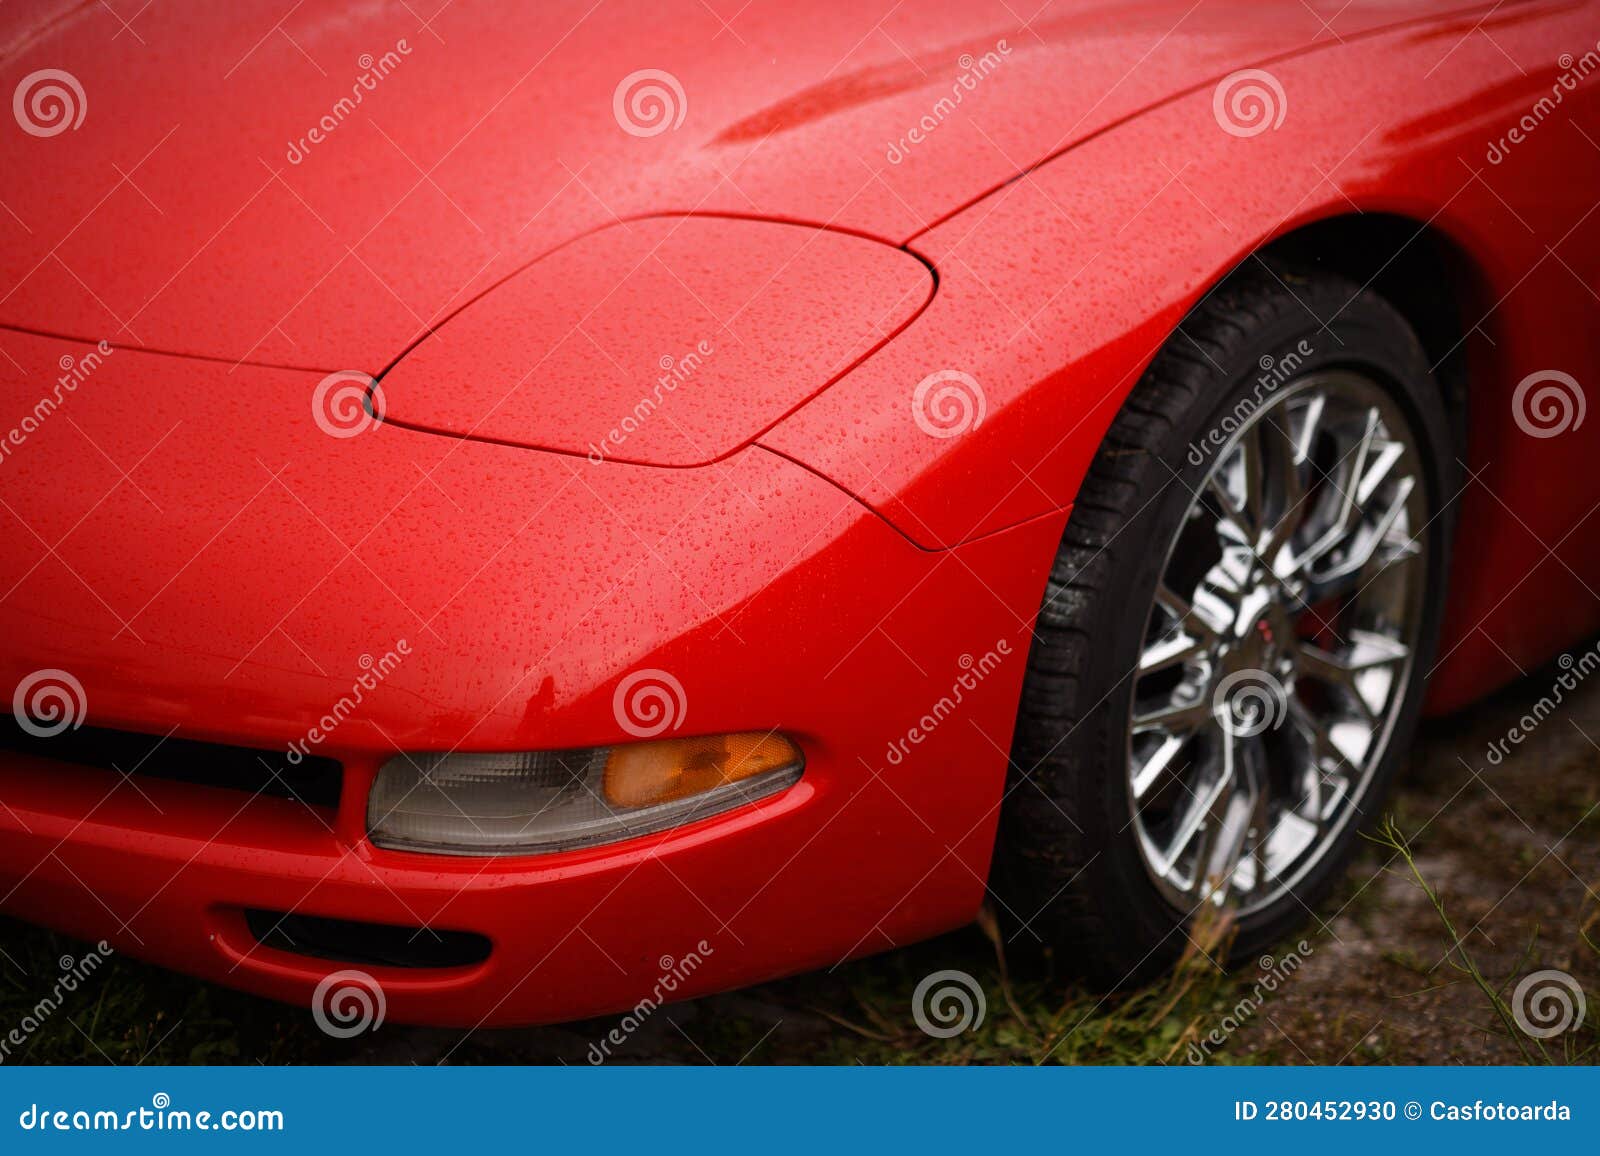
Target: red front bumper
{"points": [[165, 871]]}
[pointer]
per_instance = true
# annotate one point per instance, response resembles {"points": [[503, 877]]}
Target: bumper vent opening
{"points": [[314, 781], [371, 944]]}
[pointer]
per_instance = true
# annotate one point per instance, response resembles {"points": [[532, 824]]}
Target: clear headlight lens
{"points": [[520, 803]]}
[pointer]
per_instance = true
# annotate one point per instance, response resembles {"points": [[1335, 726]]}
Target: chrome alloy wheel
{"points": [[1280, 642]]}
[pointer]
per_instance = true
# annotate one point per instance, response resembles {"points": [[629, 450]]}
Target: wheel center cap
{"points": [[1263, 638]]}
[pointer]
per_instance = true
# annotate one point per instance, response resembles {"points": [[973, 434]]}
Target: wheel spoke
{"points": [[1347, 512], [1354, 550], [1285, 460], [1368, 651], [1344, 671], [1341, 581], [1160, 760], [1240, 515], [1348, 509], [1173, 716], [1201, 617], [1253, 469], [1372, 464], [1329, 773], [1236, 813], [1310, 426], [1234, 527], [1375, 472], [1170, 651], [1193, 821]]}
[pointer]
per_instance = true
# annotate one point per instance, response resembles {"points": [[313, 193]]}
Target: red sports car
{"points": [[545, 507]]}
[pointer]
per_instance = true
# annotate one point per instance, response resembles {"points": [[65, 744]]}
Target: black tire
{"points": [[1068, 877]]}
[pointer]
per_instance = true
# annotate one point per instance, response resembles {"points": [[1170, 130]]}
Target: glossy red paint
{"points": [[578, 351], [484, 235], [219, 228]]}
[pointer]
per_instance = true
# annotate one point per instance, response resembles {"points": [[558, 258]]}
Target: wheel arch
{"points": [[1430, 277]]}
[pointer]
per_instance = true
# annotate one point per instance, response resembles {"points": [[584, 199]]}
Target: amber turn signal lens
{"points": [[647, 774]]}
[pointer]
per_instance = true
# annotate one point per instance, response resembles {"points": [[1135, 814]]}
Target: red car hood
{"points": [[317, 185]]}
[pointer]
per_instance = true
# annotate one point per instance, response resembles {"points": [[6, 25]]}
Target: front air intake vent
{"points": [[314, 781], [367, 944]]}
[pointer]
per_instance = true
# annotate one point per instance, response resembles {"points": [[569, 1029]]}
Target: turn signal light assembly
{"points": [[523, 803]]}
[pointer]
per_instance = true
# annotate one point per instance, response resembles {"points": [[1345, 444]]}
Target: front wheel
{"points": [[1229, 661]]}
